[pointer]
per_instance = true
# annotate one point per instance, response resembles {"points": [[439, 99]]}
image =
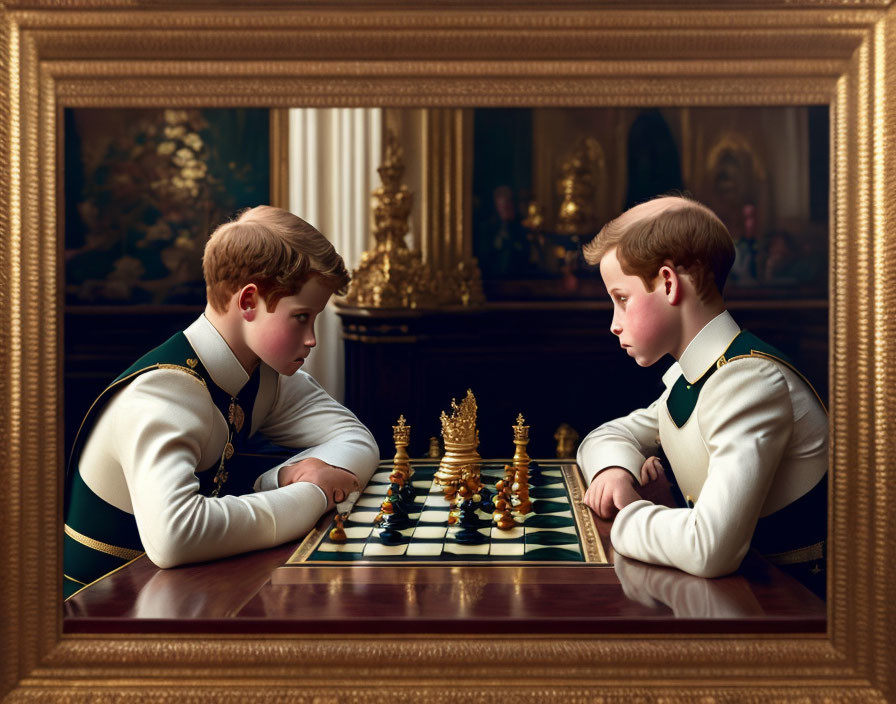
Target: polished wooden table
{"points": [[248, 594]]}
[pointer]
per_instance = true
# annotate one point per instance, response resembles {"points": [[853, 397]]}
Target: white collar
{"points": [[216, 356], [707, 346]]}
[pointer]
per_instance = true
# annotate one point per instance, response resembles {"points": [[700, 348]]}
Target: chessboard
{"points": [[557, 528]]}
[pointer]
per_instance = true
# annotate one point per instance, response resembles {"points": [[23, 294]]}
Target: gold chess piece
{"points": [[401, 434], [567, 438], [520, 439], [461, 438], [434, 450], [337, 534]]}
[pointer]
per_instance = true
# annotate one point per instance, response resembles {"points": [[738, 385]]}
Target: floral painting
{"points": [[143, 191]]}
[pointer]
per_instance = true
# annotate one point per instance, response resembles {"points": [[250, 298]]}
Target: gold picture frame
{"points": [[429, 54]]}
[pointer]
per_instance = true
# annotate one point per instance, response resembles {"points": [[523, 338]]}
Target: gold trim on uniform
{"points": [[765, 355], [124, 379], [114, 550], [179, 368], [102, 577], [235, 415]]}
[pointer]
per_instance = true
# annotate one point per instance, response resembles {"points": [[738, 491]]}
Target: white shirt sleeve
{"points": [[745, 417], [625, 442], [304, 415], [159, 430]]}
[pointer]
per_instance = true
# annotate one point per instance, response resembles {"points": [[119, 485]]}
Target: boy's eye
{"points": [[301, 317]]}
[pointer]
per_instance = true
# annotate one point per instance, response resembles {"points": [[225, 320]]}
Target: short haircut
{"points": [[275, 250], [668, 229]]}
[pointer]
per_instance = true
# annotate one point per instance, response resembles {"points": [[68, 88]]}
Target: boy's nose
{"points": [[615, 327]]}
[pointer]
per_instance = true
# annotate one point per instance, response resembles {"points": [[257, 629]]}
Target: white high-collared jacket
{"points": [[161, 428], [756, 441]]}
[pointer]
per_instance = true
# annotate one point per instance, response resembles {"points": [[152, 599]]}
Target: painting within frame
{"points": [[111, 53], [544, 180], [143, 190]]}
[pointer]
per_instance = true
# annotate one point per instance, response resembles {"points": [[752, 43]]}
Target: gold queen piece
{"points": [[461, 438]]}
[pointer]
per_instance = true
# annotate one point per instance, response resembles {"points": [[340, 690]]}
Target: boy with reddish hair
{"points": [[744, 433], [160, 464]]}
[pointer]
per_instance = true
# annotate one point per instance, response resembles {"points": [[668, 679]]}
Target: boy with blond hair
{"points": [[745, 436], [159, 465]]}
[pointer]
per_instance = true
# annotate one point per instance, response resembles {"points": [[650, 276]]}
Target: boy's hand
{"points": [[336, 483], [611, 490], [650, 470]]}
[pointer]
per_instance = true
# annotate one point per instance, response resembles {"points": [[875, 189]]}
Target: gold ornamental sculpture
{"points": [[461, 438], [576, 216], [393, 276]]}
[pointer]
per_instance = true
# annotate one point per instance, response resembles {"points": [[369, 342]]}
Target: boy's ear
{"points": [[247, 301], [671, 283]]}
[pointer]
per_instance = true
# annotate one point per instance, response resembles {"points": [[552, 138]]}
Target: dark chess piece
{"points": [[397, 494], [395, 520], [470, 524], [535, 476], [486, 500], [406, 494]]}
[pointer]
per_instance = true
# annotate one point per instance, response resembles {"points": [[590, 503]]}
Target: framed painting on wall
{"points": [[545, 180], [144, 188]]}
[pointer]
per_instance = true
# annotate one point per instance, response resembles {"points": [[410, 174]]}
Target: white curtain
{"points": [[333, 158]]}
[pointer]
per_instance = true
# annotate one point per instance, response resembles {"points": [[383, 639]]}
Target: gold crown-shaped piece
{"points": [[520, 431], [402, 431], [460, 426]]}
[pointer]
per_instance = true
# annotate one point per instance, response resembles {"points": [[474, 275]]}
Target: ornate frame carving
{"points": [[331, 53]]}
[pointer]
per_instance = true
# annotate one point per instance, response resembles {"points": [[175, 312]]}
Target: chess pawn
{"points": [[505, 520], [406, 494], [337, 534], [501, 505], [520, 481], [397, 477], [508, 474], [523, 502], [469, 533]]}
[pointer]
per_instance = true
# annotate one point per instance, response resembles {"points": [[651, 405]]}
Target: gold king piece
{"points": [[401, 434], [401, 463], [461, 438], [520, 440]]}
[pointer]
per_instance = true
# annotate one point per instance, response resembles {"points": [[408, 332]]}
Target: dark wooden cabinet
{"points": [[554, 362]]}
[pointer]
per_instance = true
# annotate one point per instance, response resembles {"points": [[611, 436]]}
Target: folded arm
{"points": [[304, 415], [745, 417], [161, 424]]}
